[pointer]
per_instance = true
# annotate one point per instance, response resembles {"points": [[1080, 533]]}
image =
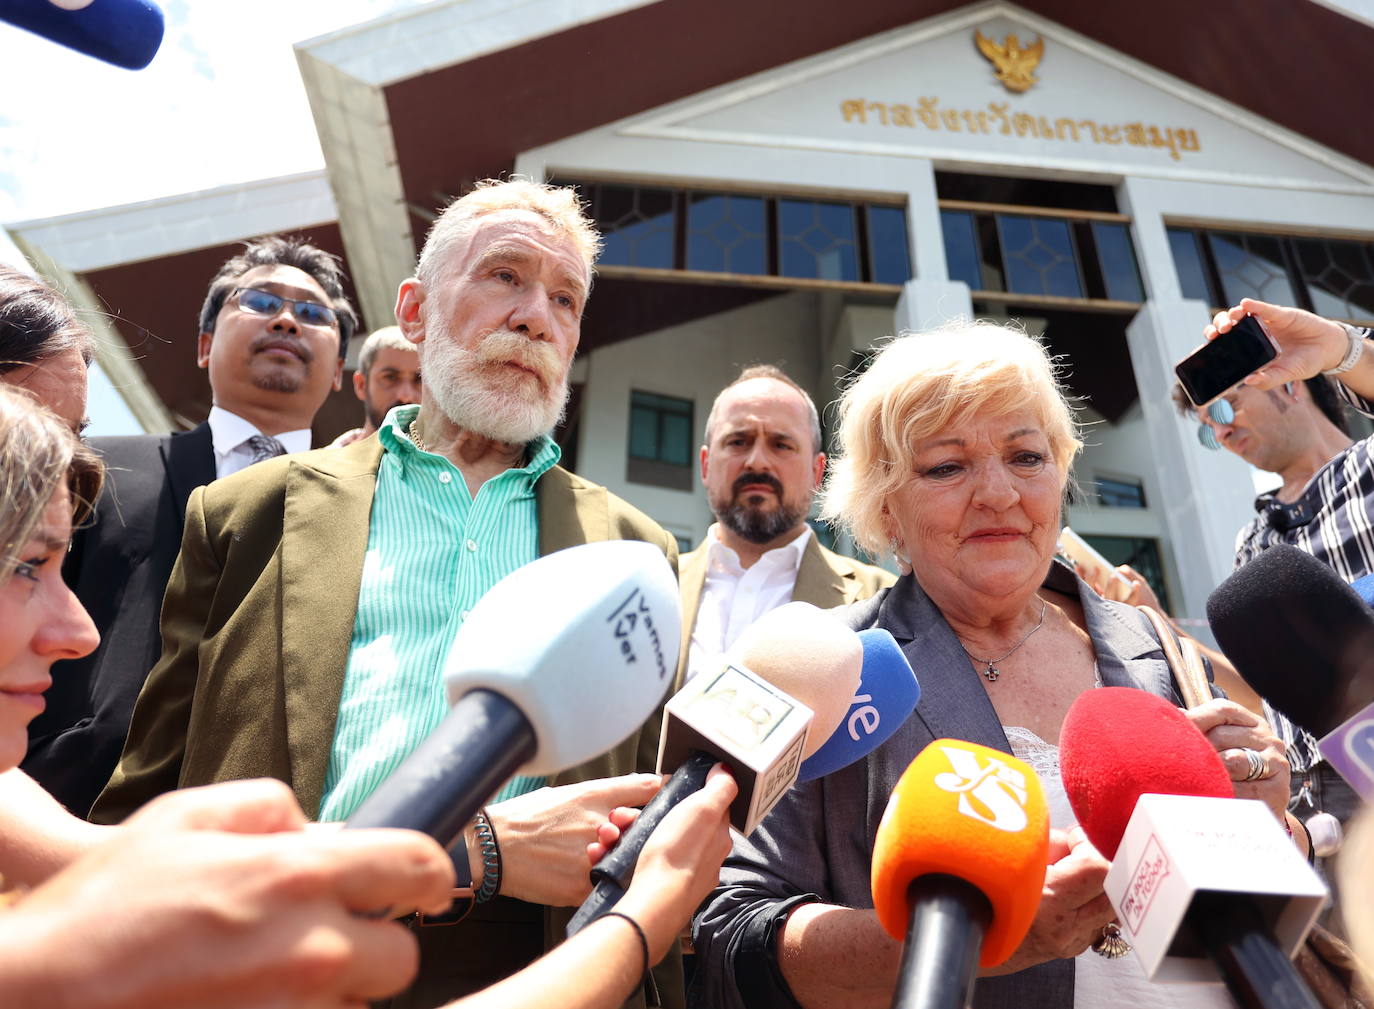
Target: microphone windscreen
{"points": [[1364, 588], [965, 810], [1118, 743], [126, 33], [584, 641], [810, 654], [1299, 635], [886, 697]]}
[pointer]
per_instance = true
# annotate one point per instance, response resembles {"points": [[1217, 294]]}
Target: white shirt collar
{"points": [[228, 431], [788, 556]]}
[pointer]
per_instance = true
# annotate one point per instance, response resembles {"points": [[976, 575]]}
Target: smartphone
{"points": [[1219, 365], [1097, 569]]}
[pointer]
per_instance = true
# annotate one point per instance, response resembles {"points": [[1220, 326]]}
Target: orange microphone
{"points": [[958, 867]]}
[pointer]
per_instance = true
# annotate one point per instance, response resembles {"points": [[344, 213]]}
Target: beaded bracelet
{"points": [[491, 857]]}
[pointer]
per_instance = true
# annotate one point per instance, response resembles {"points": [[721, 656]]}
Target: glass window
{"points": [[1339, 276], [637, 226], [726, 234], [1192, 276], [1251, 266], [1039, 256], [961, 247], [660, 428], [817, 240], [887, 245], [1116, 259], [1141, 554], [1120, 492]]}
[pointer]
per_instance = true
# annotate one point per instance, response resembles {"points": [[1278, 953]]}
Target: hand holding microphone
{"points": [[1073, 908], [537, 699], [756, 715], [1252, 755]]}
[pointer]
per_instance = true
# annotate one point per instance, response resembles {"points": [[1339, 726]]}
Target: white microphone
{"points": [[785, 686], [557, 663]]}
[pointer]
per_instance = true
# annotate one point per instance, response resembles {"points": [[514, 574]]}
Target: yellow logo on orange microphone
{"points": [[991, 793]]}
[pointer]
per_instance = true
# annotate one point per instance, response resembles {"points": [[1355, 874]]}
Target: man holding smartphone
{"points": [[1287, 418]]}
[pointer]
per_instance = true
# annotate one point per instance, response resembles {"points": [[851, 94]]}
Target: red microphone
{"points": [[1118, 743], [1196, 873], [958, 867]]}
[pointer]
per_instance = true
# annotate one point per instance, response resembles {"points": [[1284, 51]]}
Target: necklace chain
{"points": [[991, 672], [414, 431]]}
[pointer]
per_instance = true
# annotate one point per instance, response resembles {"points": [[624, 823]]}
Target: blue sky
{"points": [[222, 102]]}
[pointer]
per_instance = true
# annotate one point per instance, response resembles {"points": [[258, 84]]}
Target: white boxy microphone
{"points": [[1177, 846]]}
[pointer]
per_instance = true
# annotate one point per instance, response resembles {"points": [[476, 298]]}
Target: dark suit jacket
{"points": [[824, 578], [818, 842], [118, 567], [256, 630]]}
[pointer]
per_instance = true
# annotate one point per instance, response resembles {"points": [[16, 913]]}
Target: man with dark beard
{"points": [[271, 333], [388, 375], [311, 610], [761, 465]]}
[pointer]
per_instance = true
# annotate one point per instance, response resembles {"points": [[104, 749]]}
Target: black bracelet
{"points": [[491, 857], [639, 931]]}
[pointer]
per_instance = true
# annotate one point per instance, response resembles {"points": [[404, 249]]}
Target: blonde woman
{"points": [[956, 449]]}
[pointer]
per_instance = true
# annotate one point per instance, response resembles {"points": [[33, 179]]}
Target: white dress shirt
{"points": [[734, 597], [230, 433]]}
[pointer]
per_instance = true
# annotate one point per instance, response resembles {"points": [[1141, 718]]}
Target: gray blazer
{"points": [[817, 844]]}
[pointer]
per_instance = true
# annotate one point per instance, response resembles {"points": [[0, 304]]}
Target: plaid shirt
{"points": [[1333, 520]]}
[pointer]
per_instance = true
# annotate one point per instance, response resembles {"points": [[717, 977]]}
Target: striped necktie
{"points": [[265, 447]]}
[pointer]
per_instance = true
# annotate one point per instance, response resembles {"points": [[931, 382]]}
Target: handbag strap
{"points": [[1184, 659]]}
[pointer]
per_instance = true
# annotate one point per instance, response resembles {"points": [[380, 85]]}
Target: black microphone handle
{"points": [[480, 743], [1255, 970], [612, 874], [949, 917]]}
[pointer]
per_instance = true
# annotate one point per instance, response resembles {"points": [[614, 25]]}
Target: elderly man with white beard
{"points": [[308, 616]]}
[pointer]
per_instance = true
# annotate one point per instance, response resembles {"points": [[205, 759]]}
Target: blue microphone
{"points": [[1364, 588], [126, 33], [886, 697]]}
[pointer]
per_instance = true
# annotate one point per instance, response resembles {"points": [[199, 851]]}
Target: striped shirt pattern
{"points": [[1333, 520], [432, 552]]}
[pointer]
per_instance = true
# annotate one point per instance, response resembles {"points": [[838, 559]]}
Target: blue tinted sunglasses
{"points": [[307, 313], [1220, 412]]}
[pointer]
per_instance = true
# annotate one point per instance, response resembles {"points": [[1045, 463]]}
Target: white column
{"points": [[1207, 496], [930, 298]]}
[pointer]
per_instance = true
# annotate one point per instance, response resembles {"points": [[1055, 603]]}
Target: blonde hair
{"points": [[557, 205], [38, 455], [920, 384]]}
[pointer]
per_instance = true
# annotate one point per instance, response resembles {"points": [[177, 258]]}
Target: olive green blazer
{"points": [[824, 578], [256, 627]]}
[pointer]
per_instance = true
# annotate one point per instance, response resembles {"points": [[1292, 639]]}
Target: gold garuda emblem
{"points": [[1015, 64]]}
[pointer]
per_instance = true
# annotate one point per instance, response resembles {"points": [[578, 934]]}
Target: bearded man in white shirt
{"points": [[761, 465], [271, 336]]}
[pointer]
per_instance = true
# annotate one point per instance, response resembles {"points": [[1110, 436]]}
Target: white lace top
{"points": [[1100, 983]]}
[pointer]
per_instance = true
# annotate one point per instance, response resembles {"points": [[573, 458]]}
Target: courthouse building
{"points": [[792, 182]]}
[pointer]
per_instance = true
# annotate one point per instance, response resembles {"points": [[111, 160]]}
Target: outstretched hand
{"points": [[1308, 344]]}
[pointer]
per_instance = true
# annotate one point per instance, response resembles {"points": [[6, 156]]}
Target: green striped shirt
{"points": [[432, 552]]}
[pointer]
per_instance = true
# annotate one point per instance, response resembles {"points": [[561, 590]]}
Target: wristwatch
{"points": [[1353, 351]]}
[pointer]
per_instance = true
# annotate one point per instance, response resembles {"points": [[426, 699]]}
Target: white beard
{"points": [[476, 391]]}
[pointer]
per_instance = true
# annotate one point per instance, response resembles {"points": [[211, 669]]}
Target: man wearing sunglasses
{"points": [[272, 332], [1289, 419]]}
